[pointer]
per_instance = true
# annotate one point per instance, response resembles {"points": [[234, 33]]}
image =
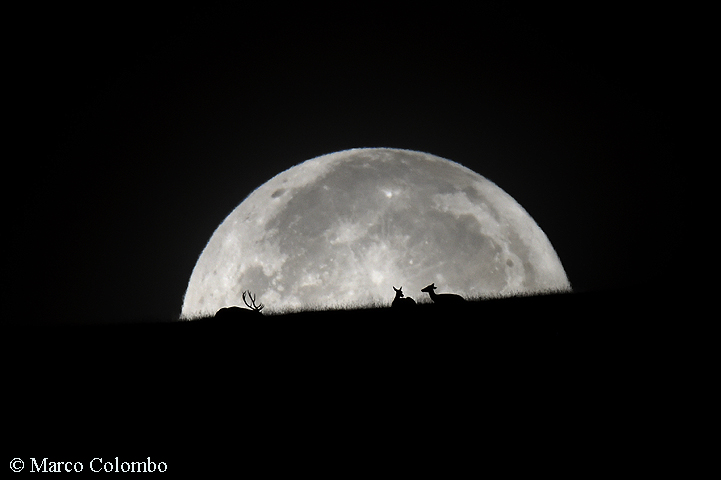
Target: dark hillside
{"points": [[566, 320], [552, 368]]}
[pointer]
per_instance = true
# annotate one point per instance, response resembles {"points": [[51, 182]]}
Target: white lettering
{"points": [[146, 466], [55, 467], [34, 465]]}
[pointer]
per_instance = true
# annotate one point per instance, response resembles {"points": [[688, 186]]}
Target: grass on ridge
{"points": [[373, 304]]}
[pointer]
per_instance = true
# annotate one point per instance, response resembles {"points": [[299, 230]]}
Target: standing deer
{"points": [[400, 301], [443, 298], [234, 312]]}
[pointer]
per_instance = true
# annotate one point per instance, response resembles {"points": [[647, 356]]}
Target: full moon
{"points": [[343, 228]]}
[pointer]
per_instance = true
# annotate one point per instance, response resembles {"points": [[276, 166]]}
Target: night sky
{"points": [[142, 130]]}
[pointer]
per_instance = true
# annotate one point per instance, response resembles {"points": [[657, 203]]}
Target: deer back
{"points": [[404, 302], [236, 313], [448, 298]]}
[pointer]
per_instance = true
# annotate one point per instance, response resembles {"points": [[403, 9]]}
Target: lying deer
{"points": [[443, 298], [239, 312], [401, 301]]}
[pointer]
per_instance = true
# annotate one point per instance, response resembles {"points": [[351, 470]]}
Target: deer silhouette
{"points": [[234, 312], [443, 298], [402, 301]]}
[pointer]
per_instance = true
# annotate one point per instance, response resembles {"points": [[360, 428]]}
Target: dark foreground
{"points": [[545, 383]]}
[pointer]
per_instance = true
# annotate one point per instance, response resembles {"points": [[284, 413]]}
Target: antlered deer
{"points": [[234, 312]]}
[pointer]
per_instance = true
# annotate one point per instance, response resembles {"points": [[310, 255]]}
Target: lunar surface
{"points": [[344, 228]]}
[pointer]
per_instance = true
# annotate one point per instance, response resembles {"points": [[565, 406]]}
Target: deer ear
{"points": [[394, 288]]}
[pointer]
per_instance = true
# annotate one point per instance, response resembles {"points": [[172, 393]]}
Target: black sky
{"points": [[142, 129]]}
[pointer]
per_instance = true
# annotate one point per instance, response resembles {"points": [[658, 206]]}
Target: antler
{"points": [[252, 304]]}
